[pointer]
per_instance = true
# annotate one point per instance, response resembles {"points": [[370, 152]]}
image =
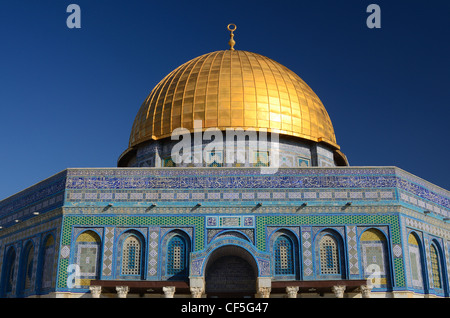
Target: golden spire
{"points": [[231, 42]]}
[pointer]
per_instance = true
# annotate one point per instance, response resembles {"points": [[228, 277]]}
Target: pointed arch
{"points": [[8, 272], [199, 259], [47, 262], [177, 245], [329, 256], [26, 268], [416, 261], [230, 271], [436, 261], [330, 260], [131, 261], [375, 258], [87, 257], [176, 256], [231, 233], [284, 247], [284, 256]]}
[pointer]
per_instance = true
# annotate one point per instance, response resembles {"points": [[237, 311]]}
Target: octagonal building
{"points": [[232, 185]]}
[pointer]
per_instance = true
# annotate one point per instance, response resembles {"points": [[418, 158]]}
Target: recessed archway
{"points": [[231, 272]]}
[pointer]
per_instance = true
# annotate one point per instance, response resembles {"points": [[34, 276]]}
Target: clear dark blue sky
{"points": [[68, 97]]}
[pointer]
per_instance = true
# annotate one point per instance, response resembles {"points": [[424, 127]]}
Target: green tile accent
{"points": [[69, 221], [288, 220]]}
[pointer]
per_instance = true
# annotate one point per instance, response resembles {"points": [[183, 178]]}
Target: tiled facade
{"points": [[368, 211]]}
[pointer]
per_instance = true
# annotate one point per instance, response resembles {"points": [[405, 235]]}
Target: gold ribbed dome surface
{"points": [[233, 89]]}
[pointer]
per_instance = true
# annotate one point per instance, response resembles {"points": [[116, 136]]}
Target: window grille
{"points": [[329, 259], [176, 263], [435, 267], [284, 264], [177, 257], [131, 256]]}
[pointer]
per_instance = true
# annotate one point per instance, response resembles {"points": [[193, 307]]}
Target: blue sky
{"points": [[68, 97]]}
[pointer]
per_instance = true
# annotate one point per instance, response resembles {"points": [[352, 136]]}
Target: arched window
{"points": [[415, 262], [329, 256], [214, 159], [375, 258], [88, 245], [26, 270], [435, 267], [284, 260], [177, 256], [168, 162], [261, 159], [48, 262], [131, 256], [9, 268]]}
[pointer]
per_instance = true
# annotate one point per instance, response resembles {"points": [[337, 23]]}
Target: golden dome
{"points": [[233, 89]]}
